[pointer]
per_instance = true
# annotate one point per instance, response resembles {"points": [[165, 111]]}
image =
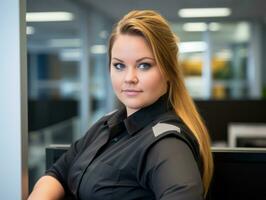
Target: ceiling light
{"points": [[49, 16], [191, 27], [70, 55], [204, 12], [201, 26], [242, 32], [224, 54], [98, 49], [30, 30], [214, 26], [196, 46]]}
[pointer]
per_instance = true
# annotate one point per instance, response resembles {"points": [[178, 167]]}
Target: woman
{"points": [[156, 146]]}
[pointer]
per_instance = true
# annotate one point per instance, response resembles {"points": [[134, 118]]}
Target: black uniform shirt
{"points": [[149, 155]]}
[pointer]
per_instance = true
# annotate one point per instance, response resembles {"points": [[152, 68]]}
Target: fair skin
{"points": [[135, 75], [137, 82], [47, 188]]}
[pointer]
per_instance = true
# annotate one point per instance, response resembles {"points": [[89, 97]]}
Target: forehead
{"points": [[131, 46]]}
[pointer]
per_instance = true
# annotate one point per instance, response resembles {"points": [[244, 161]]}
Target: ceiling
{"points": [[242, 10]]}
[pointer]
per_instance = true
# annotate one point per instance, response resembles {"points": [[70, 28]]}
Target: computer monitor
{"points": [[239, 174], [247, 135], [53, 152], [217, 114]]}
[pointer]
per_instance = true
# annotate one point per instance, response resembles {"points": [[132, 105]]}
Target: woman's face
{"points": [[135, 75]]}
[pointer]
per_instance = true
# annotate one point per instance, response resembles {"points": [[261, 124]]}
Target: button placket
{"points": [[93, 156]]}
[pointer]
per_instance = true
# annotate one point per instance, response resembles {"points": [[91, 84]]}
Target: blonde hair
{"points": [[163, 43]]}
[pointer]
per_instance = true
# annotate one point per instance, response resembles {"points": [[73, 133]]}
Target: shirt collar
{"points": [[140, 118]]}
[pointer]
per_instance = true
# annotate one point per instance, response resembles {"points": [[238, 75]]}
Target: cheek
{"points": [[115, 81], [156, 82]]}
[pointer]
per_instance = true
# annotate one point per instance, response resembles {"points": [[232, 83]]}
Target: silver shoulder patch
{"points": [[161, 128]]}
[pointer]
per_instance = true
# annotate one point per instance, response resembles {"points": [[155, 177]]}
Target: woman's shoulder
{"points": [[170, 125]]}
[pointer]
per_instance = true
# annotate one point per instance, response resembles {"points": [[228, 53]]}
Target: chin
{"points": [[134, 106], [136, 103]]}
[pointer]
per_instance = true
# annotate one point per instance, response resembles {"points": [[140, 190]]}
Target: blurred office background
{"points": [[223, 58]]}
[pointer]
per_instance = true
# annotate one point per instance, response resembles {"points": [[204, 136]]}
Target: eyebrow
{"points": [[137, 60]]}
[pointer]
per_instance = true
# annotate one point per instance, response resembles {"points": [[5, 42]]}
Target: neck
{"points": [[130, 111]]}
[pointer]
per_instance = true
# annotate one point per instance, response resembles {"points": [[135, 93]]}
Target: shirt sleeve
{"points": [[60, 168], [171, 171]]}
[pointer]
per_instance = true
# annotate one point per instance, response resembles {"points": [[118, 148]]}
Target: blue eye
{"points": [[144, 66], [119, 66]]}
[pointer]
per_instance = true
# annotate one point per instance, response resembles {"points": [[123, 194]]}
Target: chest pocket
{"points": [[98, 182]]}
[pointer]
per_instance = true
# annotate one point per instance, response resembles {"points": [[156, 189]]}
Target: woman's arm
{"points": [[172, 172], [47, 188]]}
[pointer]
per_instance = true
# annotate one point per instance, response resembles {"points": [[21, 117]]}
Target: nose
{"points": [[131, 75]]}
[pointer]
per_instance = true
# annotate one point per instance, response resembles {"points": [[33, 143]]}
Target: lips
{"points": [[131, 92]]}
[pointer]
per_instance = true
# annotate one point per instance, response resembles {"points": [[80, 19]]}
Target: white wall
{"points": [[13, 101]]}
